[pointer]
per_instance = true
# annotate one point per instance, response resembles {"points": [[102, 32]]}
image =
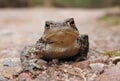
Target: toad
{"points": [[60, 40]]}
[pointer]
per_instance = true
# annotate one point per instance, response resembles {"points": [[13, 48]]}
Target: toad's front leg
{"points": [[31, 59], [83, 41]]}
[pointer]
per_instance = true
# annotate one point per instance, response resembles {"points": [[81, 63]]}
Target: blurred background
{"points": [[60, 3]]}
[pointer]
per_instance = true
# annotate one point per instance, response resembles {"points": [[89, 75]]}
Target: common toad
{"points": [[60, 40]]}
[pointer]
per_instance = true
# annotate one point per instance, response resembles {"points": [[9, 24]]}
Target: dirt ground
{"points": [[21, 27]]}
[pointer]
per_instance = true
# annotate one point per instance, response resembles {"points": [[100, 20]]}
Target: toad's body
{"points": [[59, 40], [62, 41]]}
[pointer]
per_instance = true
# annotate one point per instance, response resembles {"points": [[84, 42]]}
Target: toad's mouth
{"points": [[61, 37]]}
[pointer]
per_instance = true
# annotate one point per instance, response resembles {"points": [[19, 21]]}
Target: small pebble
{"points": [[2, 78], [97, 67]]}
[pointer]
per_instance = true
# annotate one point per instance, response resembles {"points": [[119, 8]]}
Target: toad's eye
{"points": [[72, 23], [47, 26]]}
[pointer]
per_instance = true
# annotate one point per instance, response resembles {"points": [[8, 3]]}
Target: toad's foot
{"points": [[30, 60]]}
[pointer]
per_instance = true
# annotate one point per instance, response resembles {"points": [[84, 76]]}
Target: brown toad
{"points": [[60, 40]]}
